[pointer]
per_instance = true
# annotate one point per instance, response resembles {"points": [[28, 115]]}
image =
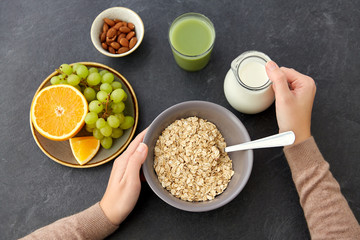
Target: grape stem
{"points": [[106, 113], [83, 83], [61, 73]]}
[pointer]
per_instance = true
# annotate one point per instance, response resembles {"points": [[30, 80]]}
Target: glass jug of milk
{"points": [[247, 87]]}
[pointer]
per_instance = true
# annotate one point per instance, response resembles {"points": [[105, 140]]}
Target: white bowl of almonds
{"points": [[117, 32], [187, 166]]}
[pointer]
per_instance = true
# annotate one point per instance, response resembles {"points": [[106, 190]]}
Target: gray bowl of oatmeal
{"points": [[186, 164]]}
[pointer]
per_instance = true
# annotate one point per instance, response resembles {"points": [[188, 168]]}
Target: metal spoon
{"points": [[277, 140]]}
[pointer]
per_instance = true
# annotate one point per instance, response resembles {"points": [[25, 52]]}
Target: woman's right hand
{"points": [[294, 97]]}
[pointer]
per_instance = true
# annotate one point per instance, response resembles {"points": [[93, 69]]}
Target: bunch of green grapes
{"points": [[105, 96]]}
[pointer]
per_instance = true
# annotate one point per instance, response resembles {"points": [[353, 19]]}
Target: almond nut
{"points": [[131, 26], [118, 25], [110, 40], [123, 49], [104, 46], [120, 37], [130, 35], [111, 50], [105, 27], [103, 37], [109, 22], [111, 33], [115, 45], [124, 42], [124, 29], [133, 42]]}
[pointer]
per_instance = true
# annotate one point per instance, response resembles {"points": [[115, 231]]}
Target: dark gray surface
{"points": [[318, 38]]}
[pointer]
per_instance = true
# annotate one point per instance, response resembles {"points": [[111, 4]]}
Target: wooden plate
{"points": [[61, 153]]}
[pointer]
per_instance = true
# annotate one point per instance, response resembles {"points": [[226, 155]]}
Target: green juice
{"points": [[192, 38]]}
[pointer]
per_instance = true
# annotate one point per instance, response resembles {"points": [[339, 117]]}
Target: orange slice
{"points": [[84, 148], [58, 112]]}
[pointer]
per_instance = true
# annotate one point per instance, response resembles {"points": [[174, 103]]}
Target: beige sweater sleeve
{"points": [[88, 224], [327, 213]]}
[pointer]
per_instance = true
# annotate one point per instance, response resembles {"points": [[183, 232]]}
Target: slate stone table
{"points": [[318, 38]]}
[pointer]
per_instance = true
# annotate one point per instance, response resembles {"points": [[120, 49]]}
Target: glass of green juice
{"points": [[192, 37]]}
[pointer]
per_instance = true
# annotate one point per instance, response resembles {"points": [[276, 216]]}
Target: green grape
{"points": [[106, 87], [118, 95], [95, 106], [120, 116], [91, 118], [107, 78], [106, 142], [55, 80], [63, 81], [62, 76], [75, 66], [89, 94], [92, 70], [65, 68], [116, 85], [82, 71], [93, 125], [73, 79], [113, 121], [118, 107], [100, 123], [78, 87], [89, 129], [97, 134], [102, 72], [93, 79], [117, 132], [106, 130], [128, 122], [125, 97], [102, 96]]}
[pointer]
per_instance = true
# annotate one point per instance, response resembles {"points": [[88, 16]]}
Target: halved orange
{"points": [[58, 112], [84, 148]]}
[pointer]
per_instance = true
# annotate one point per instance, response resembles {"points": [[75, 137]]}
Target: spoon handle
{"points": [[277, 140]]}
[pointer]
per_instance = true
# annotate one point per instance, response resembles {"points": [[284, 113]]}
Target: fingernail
{"points": [[271, 65], [141, 147]]}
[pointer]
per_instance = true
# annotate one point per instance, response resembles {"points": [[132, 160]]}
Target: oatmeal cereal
{"points": [[190, 160]]}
